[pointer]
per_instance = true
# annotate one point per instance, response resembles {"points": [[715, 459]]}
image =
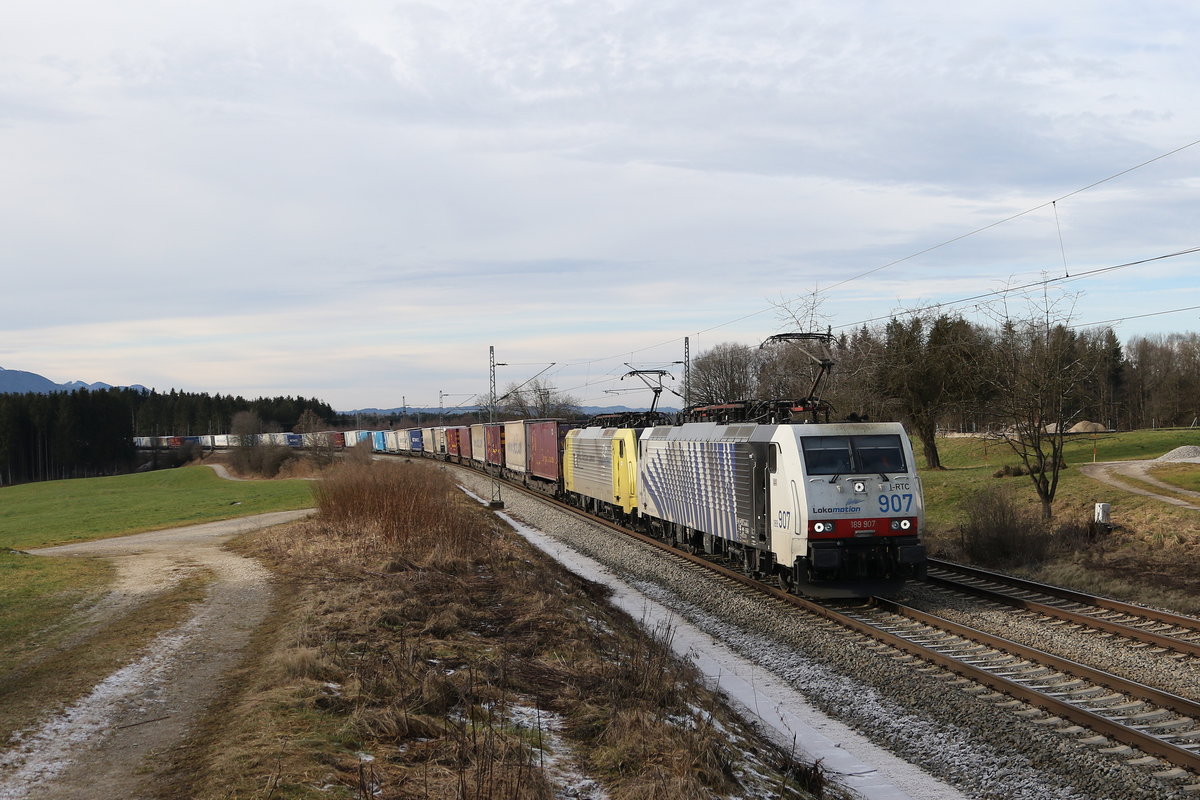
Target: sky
{"points": [[354, 200]]}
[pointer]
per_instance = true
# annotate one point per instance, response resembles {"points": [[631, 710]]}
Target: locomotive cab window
{"points": [[826, 455], [840, 455], [879, 453], [773, 458]]}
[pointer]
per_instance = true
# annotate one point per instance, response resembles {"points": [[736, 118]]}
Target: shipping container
{"points": [[294, 439], [494, 431], [514, 447], [478, 442], [544, 442], [458, 442], [324, 440], [439, 440], [415, 443]]}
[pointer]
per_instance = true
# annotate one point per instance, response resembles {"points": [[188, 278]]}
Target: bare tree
{"points": [[723, 374], [319, 442], [1040, 378], [536, 399]]}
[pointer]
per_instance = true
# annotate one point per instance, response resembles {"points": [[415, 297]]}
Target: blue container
{"points": [[295, 440], [379, 441], [414, 439]]}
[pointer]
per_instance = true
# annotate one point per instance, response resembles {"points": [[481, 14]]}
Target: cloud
{"points": [[352, 196]]}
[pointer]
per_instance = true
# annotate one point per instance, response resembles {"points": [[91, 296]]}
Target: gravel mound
{"points": [[1189, 452], [1083, 426]]}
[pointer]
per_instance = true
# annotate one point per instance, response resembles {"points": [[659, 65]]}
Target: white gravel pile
{"points": [[983, 751], [1189, 452]]}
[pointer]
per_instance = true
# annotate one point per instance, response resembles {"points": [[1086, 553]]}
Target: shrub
{"points": [[998, 533]]}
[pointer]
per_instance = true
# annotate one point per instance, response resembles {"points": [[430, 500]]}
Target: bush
{"points": [[261, 459], [998, 533]]}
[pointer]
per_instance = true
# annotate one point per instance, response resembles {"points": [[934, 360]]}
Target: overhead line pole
{"points": [[497, 501]]}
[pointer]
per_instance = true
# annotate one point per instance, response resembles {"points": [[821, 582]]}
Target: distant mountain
{"points": [[17, 381]]}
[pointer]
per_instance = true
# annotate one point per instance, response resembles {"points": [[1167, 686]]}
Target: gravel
{"points": [[950, 729], [1171, 672], [1188, 452]]}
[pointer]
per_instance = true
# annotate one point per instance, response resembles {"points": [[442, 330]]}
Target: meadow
{"points": [[36, 592], [1151, 553]]}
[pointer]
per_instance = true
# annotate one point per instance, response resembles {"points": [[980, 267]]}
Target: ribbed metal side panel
{"points": [[591, 462], [706, 485]]}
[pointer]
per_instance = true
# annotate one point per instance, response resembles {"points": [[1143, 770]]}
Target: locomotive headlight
{"points": [[905, 524], [859, 486], [822, 527]]}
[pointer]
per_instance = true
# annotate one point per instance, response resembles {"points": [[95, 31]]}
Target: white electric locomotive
{"points": [[832, 509]]}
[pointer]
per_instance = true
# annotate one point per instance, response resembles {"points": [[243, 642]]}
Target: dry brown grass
{"points": [[416, 627]]}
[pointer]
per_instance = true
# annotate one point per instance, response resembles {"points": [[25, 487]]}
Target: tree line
{"points": [[89, 433], [1026, 381]]}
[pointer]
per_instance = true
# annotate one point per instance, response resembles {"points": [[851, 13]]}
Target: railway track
{"points": [[1096, 708], [1152, 628]]}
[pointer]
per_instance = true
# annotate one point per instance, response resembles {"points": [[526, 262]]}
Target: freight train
{"points": [[827, 509]]}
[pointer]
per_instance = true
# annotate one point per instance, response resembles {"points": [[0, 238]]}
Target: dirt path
{"points": [[1110, 472], [105, 744]]}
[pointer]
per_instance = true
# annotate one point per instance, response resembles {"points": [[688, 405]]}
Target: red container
{"points": [[494, 432], [458, 441], [544, 439], [337, 439]]}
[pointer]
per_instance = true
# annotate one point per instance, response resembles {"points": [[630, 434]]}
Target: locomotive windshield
{"points": [[840, 455]]}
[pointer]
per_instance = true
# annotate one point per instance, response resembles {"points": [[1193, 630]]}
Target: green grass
{"points": [[60, 512], [37, 594], [970, 463], [1185, 476]]}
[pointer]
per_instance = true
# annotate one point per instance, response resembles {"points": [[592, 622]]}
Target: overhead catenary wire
{"points": [[1133, 316], [827, 289], [1022, 287], [1066, 276]]}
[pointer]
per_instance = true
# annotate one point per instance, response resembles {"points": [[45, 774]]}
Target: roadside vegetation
{"points": [[1150, 555], [424, 650]]}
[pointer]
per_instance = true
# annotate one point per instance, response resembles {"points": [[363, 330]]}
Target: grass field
{"points": [[36, 593], [58, 512], [1185, 476], [971, 462], [1151, 554]]}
